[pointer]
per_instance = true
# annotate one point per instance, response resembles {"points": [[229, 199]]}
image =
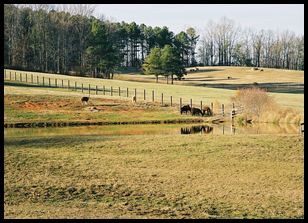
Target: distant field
{"points": [[207, 94], [183, 176], [276, 80]]}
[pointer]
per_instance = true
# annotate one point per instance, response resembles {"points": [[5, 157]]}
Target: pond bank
{"points": [[63, 124]]}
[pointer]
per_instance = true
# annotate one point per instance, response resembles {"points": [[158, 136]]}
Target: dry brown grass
{"points": [[192, 176], [261, 107]]}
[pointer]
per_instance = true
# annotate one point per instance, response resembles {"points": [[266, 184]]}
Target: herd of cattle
{"points": [[206, 111]]}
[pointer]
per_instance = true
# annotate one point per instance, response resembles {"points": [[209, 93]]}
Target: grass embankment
{"points": [[192, 176], [197, 86], [66, 108]]}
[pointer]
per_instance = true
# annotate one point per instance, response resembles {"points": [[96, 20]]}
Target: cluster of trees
{"points": [[166, 62], [68, 38], [226, 44]]}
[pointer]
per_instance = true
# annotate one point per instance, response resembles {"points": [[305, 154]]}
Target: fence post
{"points": [[56, 82], [180, 103], [135, 94], [143, 94], [152, 95], [37, 80], [89, 89], [171, 101], [96, 89], [62, 83], [201, 105], [111, 90], [232, 129], [232, 113], [119, 91], [15, 76], [68, 84], [26, 77], [104, 89], [49, 81], [82, 87], [75, 86], [191, 103], [162, 98], [212, 108], [43, 81], [10, 75], [222, 110], [20, 77], [127, 92], [31, 78]]}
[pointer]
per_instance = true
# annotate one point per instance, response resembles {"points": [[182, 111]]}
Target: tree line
{"points": [[69, 39], [225, 44], [42, 38]]}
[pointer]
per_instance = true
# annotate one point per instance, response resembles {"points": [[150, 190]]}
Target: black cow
{"points": [[85, 100], [185, 109], [196, 111]]}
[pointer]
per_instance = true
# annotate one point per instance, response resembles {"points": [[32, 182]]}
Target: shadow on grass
{"points": [[50, 142], [204, 70], [207, 79], [283, 87]]}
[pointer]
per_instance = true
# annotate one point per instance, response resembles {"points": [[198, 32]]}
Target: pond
{"points": [[158, 129]]}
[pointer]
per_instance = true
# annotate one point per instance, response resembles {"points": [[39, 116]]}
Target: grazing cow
{"points": [[85, 100], [134, 99], [207, 111], [196, 111], [185, 109]]}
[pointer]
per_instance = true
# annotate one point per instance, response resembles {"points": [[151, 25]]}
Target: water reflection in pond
{"points": [[159, 129], [197, 129]]}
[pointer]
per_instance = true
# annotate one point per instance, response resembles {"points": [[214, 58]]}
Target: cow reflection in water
{"points": [[197, 129]]}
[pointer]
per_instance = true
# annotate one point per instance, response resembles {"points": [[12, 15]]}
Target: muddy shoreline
{"points": [[65, 124]]}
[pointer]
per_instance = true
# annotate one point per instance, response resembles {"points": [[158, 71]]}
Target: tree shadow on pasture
{"points": [[50, 142], [282, 87]]}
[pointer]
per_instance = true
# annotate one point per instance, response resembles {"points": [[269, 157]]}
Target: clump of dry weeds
{"points": [[261, 107]]}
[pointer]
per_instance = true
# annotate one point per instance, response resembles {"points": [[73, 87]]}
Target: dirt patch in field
{"points": [[74, 104], [44, 105]]}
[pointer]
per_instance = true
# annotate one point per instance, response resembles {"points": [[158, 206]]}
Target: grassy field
{"points": [[39, 105], [191, 176], [195, 90]]}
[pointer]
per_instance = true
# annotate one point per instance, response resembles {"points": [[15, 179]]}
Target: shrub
{"points": [[254, 100], [259, 106]]}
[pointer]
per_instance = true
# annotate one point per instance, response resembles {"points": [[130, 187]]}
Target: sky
{"points": [[178, 17]]}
